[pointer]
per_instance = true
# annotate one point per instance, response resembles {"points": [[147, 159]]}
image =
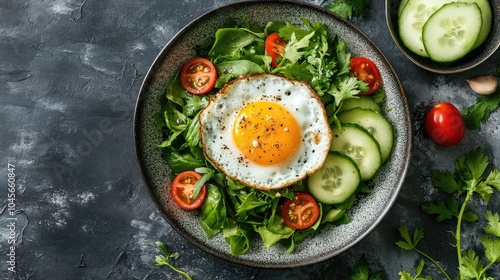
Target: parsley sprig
{"points": [[410, 242], [164, 260], [473, 177], [362, 272], [478, 113], [349, 8]]}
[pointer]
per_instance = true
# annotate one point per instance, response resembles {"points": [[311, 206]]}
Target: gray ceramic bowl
{"points": [[471, 60], [331, 241]]}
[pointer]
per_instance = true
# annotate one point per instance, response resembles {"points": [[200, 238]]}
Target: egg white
{"points": [[217, 120]]}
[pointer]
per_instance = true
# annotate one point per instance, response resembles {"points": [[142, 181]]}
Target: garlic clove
{"points": [[484, 85]]}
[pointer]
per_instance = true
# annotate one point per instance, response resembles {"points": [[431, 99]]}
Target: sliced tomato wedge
{"points": [[198, 75], [182, 189], [366, 71], [301, 212], [274, 47]]}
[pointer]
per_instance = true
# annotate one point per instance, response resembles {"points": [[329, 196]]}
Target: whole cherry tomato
{"points": [[444, 124]]}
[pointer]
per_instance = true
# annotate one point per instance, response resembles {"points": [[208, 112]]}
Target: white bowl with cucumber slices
{"points": [[445, 36]]}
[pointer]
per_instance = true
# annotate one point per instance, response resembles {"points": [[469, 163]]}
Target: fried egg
{"points": [[265, 131]]}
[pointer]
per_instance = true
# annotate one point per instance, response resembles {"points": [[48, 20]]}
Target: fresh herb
{"points": [[410, 242], [473, 176], [479, 113], [164, 260], [349, 8], [362, 272], [405, 275]]}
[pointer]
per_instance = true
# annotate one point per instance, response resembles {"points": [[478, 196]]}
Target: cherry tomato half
{"points": [[182, 190], [366, 71], [274, 47], [301, 212], [198, 75], [444, 124]]}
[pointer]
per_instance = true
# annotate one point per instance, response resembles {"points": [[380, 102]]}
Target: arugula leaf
{"points": [[348, 8], [348, 88], [285, 30], [295, 49], [164, 260], [298, 71], [343, 59]]}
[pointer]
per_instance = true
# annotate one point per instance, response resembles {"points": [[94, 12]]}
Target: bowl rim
{"points": [[145, 87]]}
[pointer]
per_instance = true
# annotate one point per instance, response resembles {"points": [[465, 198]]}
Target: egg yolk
{"points": [[266, 133]]}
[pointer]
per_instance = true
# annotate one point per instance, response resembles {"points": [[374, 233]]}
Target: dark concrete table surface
{"points": [[70, 72]]}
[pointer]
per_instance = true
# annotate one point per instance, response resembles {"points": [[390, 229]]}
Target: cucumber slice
{"points": [[358, 144], [411, 22], [451, 32], [402, 4], [361, 102], [375, 123], [336, 180], [487, 16]]}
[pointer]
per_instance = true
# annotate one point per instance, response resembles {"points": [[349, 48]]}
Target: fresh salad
{"points": [[350, 90]]}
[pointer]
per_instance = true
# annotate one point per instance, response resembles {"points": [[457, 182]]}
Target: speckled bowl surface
{"points": [[471, 60], [331, 241]]}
